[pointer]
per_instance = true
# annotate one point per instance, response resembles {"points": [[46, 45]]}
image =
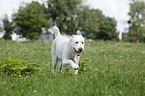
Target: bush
{"points": [[17, 68]]}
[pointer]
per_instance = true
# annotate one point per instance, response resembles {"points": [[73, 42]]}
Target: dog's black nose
{"points": [[80, 49]]}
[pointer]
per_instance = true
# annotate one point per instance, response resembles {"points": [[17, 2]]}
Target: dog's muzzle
{"points": [[78, 53]]}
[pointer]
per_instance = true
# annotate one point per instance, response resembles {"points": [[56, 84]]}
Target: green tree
{"points": [[29, 20], [71, 16], [88, 21], [107, 29], [95, 25], [7, 27], [137, 19], [63, 13]]}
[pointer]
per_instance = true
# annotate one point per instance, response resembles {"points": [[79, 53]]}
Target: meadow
{"points": [[110, 69]]}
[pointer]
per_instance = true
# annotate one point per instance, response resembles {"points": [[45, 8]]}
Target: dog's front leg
{"points": [[76, 59], [75, 66]]}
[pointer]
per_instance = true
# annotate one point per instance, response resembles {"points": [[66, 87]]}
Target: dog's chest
{"points": [[71, 55]]}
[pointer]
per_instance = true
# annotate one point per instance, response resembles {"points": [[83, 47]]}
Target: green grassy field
{"points": [[111, 70]]}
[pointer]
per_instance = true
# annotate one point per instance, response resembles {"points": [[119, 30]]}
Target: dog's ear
{"points": [[72, 36]]}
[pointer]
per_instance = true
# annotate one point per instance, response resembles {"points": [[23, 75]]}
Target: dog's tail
{"points": [[56, 31]]}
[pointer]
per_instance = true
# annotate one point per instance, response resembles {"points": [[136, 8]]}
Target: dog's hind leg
{"points": [[54, 63], [60, 65]]}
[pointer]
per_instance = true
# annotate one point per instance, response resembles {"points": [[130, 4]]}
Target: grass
{"points": [[113, 70]]}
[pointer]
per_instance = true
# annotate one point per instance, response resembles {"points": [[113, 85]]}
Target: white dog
{"points": [[68, 50]]}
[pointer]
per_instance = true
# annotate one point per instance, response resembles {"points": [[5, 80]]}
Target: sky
{"points": [[117, 9]]}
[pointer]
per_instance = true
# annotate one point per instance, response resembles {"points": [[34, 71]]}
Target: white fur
{"points": [[68, 50]]}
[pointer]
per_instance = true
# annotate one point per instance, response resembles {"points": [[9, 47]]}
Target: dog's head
{"points": [[77, 44]]}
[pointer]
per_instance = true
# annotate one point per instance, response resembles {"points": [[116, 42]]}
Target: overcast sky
{"points": [[113, 8]]}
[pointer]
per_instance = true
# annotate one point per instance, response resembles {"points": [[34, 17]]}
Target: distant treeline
{"points": [[73, 17]]}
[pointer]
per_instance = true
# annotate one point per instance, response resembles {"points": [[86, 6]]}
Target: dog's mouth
{"points": [[78, 53]]}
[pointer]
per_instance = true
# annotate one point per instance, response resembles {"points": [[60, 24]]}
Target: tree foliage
{"points": [[30, 19], [137, 20], [7, 27], [88, 22], [69, 15], [95, 25], [63, 13], [107, 29]]}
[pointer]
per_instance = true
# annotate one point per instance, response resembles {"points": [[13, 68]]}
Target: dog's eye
{"points": [[76, 42], [82, 42]]}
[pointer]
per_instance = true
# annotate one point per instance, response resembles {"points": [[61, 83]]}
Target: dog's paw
{"points": [[75, 71], [75, 66]]}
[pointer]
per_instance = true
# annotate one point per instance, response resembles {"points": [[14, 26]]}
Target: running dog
{"points": [[68, 50]]}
